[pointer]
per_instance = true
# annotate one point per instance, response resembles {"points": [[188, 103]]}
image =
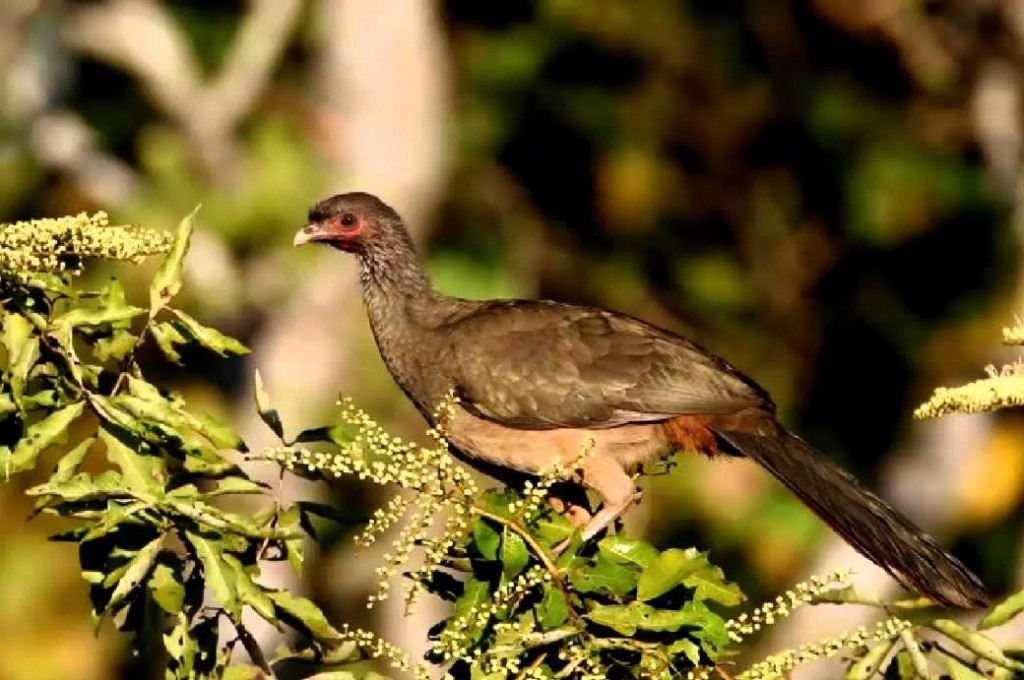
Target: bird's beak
{"points": [[311, 233]]}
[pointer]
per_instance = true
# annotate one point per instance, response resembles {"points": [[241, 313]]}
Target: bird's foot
{"points": [[575, 513]]}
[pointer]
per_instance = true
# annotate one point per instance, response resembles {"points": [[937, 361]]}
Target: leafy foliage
{"points": [[617, 605], [150, 529], [165, 560]]}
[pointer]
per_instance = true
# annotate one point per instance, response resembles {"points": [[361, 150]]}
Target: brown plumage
{"points": [[536, 378]]}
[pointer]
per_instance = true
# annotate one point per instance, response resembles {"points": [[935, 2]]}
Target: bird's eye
{"points": [[348, 220]]}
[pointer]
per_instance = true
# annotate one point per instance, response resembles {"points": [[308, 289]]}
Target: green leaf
{"points": [[486, 538], [17, 330], [869, 664], [334, 675], [22, 366], [109, 411], [167, 338], [236, 485], [626, 619], [47, 399], [210, 338], [691, 568], [67, 466], [83, 487], [184, 648], [1004, 611], [250, 592], [686, 647], [269, 415], [330, 512], [302, 614], [113, 294], [147, 391], [64, 335], [552, 528], [114, 516], [219, 433], [978, 643], [553, 609], [229, 523], [959, 671], [167, 282], [474, 594], [141, 473], [601, 574], [209, 464], [514, 553], [135, 573], [244, 672], [218, 576], [709, 583], [666, 571], [334, 434], [497, 502], [911, 662], [115, 348], [623, 550], [41, 435], [167, 587], [93, 316], [291, 520], [22, 350], [708, 627], [159, 420]]}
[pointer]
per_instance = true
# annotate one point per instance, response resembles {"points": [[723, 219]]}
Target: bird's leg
{"points": [[606, 477], [577, 514], [569, 499]]}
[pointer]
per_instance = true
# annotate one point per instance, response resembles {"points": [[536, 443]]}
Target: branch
{"points": [[141, 37]]}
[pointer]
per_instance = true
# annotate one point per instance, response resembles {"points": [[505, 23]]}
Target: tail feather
{"points": [[868, 523]]}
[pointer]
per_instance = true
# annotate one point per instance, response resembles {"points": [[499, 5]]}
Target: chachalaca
{"points": [[534, 379]]}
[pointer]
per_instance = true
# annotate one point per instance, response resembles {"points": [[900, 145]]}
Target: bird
{"points": [[534, 380]]}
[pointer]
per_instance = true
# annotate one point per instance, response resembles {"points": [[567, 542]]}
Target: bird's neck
{"points": [[396, 289], [407, 316]]}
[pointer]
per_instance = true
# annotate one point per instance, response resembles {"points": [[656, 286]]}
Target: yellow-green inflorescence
{"points": [[1002, 388], [455, 639], [784, 605], [442, 488], [1014, 335], [779, 665], [770, 613], [378, 648], [536, 493], [59, 245]]}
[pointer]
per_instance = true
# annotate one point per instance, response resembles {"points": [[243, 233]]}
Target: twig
{"points": [[143, 38], [917, 658], [530, 541]]}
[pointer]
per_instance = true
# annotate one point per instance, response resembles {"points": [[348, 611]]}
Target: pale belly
{"points": [[534, 451]]}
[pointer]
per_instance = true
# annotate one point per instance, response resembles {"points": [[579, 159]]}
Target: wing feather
{"points": [[538, 365]]}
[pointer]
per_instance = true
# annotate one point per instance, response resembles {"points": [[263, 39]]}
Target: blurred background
{"points": [[828, 193]]}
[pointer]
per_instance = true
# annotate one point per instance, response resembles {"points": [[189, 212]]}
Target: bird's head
{"points": [[355, 222]]}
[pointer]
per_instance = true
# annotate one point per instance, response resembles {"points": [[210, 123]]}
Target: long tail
{"points": [[869, 524]]}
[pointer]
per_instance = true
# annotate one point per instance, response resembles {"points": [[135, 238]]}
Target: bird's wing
{"points": [[543, 365]]}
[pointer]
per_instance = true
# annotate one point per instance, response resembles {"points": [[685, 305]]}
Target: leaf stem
{"points": [[536, 547]]}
